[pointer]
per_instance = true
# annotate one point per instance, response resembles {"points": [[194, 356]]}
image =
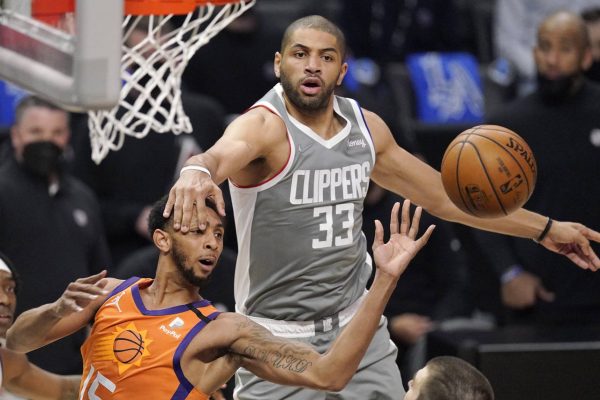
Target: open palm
{"points": [[394, 256]]}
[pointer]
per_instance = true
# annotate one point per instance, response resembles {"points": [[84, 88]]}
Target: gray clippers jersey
{"points": [[302, 254]]}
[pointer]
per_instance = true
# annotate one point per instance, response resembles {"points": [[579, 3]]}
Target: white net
{"points": [[151, 71]]}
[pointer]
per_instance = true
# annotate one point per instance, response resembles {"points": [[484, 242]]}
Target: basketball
{"points": [[488, 171], [128, 346]]}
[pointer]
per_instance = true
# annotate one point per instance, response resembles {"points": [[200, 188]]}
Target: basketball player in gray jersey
{"points": [[299, 163]]}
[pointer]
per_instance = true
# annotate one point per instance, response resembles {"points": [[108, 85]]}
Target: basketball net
{"points": [[151, 70]]}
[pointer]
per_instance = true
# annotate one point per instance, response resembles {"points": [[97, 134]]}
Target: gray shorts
{"points": [[377, 378]]}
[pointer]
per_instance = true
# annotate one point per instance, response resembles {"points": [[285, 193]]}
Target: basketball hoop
{"points": [[151, 69]]}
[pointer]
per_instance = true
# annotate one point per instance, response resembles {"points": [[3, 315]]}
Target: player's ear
{"points": [[277, 64], [162, 240], [342, 73]]}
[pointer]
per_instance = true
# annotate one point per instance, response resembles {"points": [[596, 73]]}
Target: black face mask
{"points": [[556, 90], [42, 158], [593, 73]]}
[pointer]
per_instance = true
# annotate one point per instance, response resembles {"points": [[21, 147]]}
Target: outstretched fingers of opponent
{"points": [[80, 293], [403, 245], [187, 200]]}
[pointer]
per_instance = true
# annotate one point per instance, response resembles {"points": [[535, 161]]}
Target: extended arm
{"points": [[40, 326], [251, 137], [293, 363], [22, 378], [401, 172]]}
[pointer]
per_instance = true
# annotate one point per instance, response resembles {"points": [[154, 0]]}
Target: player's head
{"points": [[8, 294], [449, 378], [562, 53], [310, 63], [592, 21], [194, 254], [39, 135]]}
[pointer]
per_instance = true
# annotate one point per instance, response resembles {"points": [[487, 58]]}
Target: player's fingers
{"points": [[414, 226], [217, 198], [577, 260], [170, 203], [177, 207], [405, 222], [378, 239], [189, 206], [93, 278], [592, 234], [394, 218], [422, 241], [85, 289]]}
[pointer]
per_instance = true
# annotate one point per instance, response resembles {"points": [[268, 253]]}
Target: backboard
{"points": [[67, 51]]}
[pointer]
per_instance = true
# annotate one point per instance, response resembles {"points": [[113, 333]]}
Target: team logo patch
{"points": [[126, 347]]}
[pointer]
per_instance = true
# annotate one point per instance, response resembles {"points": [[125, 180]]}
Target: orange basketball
{"points": [[128, 346], [488, 171]]}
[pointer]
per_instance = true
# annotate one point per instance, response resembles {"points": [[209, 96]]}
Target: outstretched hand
{"points": [[79, 294], [394, 256], [573, 241], [187, 200]]}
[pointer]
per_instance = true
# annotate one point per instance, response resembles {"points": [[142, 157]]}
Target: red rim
{"points": [[159, 7], [217, 2], [40, 8]]}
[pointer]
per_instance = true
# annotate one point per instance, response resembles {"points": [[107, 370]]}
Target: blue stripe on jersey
{"points": [[185, 386]]}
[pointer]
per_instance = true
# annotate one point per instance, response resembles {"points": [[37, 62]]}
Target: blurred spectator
{"points": [[514, 31], [51, 226], [561, 123], [591, 16]]}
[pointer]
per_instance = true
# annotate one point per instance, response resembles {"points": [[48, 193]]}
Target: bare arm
{"points": [[250, 137], [27, 380], [401, 172], [294, 363], [40, 326]]}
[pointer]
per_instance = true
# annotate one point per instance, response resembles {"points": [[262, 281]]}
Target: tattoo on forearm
{"points": [[279, 353]]}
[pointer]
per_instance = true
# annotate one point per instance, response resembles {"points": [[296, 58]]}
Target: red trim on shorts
{"points": [[284, 164]]}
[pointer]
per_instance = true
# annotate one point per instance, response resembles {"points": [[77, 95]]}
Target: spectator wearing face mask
{"points": [[50, 222]]}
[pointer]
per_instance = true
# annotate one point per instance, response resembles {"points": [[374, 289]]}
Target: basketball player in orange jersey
{"points": [[158, 338], [299, 164], [17, 375]]}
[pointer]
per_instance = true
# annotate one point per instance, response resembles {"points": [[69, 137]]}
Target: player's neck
{"points": [[169, 289], [323, 121]]}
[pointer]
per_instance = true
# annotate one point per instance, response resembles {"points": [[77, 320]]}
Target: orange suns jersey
{"points": [[135, 353]]}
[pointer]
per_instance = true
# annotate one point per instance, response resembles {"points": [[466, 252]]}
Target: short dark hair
{"points": [[156, 220], [318, 23], [34, 101], [13, 271], [451, 378]]}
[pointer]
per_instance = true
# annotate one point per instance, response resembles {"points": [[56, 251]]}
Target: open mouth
{"points": [[311, 86], [208, 263]]}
